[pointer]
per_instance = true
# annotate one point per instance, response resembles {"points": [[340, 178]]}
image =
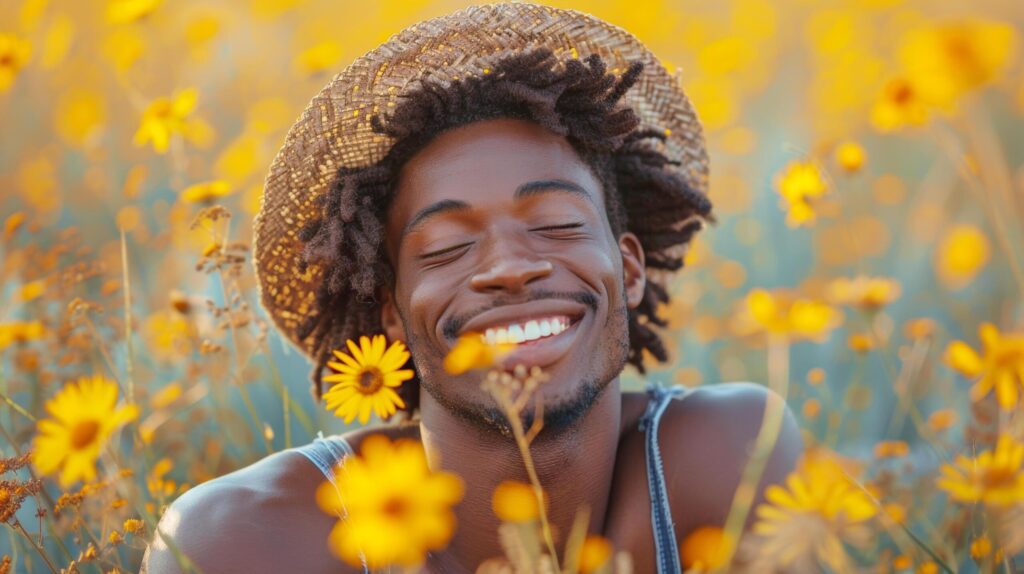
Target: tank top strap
{"points": [[665, 545], [326, 453]]}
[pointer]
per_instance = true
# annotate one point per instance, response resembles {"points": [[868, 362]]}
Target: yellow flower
{"points": [[962, 252], [811, 408], [704, 549], [867, 293], [14, 53], [942, 420], [595, 553], [515, 501], [779, 312], [850, 156], [799, 184], [891, 449], [206, 192], [981, 547], [394, 509], [1001, 368], [898, 106], [84, 415], [169, 335], [808, 518], [166, 117], [126, 11], [20, 332], [946, 60], [470, 352], [365, 382], [994, 477], [320, 57]]}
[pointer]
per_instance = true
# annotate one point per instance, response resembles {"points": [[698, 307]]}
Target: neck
{"points": [[574, 466]]}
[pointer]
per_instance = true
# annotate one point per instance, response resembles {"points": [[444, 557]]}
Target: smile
{"points": [[532, 330]]}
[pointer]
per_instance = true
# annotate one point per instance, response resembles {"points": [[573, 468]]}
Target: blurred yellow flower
{"points": [[799, 184], [14, 54], [819, 507], [815, 376], [860, 342], [79, 115], [1001, 368], [515, 501], [323, 56], [57, 42], [470, 352], [83, 416], [867, 293], [394, 509], [782, 313], [962, 252], [126, 11], [920, 328], [20, 332], [169, 336], [993, 477], [32, 290], [898, 106], [944, 61], [811, 408], [981, 547], [166, 117], [595, 553], [123, 47], [704, 549], [206, 192], [165, 396], [942, 420], [891, 449], [366, 380], [850, 156]]}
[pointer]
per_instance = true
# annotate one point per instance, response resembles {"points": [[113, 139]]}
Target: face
{"points": [[499, 228]]}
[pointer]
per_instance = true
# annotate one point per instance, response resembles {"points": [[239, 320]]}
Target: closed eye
{"points": [[563, 231], [558, 227], [445, 251]]}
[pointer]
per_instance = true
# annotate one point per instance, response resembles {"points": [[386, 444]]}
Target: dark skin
{"points": [[516, 225]]}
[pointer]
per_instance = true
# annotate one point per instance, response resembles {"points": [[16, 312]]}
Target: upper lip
{"points": [[523, 312]]}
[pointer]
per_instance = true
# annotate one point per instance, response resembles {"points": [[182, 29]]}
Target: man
{"points": [[505, 164]]}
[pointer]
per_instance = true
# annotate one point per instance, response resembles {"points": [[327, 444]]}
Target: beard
{"points": [[561, 414]]}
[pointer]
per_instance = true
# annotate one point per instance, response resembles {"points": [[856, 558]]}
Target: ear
{"points": [[390, 318], [633, 271]]}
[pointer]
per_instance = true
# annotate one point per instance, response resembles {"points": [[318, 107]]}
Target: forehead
{"points": [[483, 163]]}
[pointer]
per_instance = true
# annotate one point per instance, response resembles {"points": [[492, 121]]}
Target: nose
{"points": [[510, 272]]}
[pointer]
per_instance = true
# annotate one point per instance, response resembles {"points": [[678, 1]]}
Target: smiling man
{"points": [[519, 172]]}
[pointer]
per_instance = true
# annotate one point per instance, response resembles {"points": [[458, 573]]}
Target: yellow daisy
{"points": [[800, 184], [782, 312], [1001, 368], [84, 415], [393, 508], [366, 379], [994, 477]]}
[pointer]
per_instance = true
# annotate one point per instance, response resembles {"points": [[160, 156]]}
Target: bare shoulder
{"points": [[707, 438], [260, 518]]}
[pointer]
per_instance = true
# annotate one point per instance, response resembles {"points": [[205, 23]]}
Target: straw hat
{"points": [[334, 131]]}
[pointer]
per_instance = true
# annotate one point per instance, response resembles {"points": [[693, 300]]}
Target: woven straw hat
{"points": [[334, 131]]}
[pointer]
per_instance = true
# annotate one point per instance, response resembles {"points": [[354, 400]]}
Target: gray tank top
{"points": [[326, 452]]}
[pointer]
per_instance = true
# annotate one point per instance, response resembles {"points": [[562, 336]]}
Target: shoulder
{"points": [[247, 521], [707, 438]]}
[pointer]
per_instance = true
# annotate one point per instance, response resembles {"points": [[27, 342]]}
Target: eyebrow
{"points": [[525, 190]]}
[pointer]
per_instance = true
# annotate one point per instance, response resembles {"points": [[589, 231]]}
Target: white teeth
{"points": [[502, 337], [531, 331], [545, 328], [515, 334]]}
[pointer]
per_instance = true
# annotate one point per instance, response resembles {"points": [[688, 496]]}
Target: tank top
{"points": [[327, 452]]}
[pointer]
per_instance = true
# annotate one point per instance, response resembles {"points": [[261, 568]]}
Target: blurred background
{"points": [[867, 156]]}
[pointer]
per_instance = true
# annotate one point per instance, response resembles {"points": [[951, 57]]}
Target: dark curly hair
{"points": [[576, 99]]}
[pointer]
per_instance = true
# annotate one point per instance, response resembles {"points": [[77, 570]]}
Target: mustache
{"points": [[452, 325]]}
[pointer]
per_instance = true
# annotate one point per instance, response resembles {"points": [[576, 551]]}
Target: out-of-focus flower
{"points": [[921, 328], [79, 116], [1001, 368], [470, 352], [898, 106], [993, 477], [57, 42], [942, 420], [166, 117], [595, 553], [133, 526], [515, 501], [944, 61], [169, 335], [84, 415], [867, 293], [811, 408], [891, 449], [860, 342], [320, 57], [704, 549], [127, 11], [14, 54], [962, 252], [206, 191], [815, 376], [20, 332], [165, 396], [807, 520], [365, 380], [780, 312], [800, 183], [395, 508], [850, 156], [981, 547], [123, 47]]}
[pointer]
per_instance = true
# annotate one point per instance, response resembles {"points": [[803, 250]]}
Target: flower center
{"points": [[396, 508], [998, 477], [370, 381], [84, 433]]}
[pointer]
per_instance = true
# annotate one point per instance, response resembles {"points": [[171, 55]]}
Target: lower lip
{"points": [[541, 352]]}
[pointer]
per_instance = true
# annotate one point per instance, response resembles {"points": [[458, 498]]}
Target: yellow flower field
{"points": [[867, 263]]}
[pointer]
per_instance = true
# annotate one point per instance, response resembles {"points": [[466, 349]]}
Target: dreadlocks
{"points": [[576, 99]]}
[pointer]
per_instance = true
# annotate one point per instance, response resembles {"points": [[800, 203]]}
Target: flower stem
{"points": [[21, 529]]}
